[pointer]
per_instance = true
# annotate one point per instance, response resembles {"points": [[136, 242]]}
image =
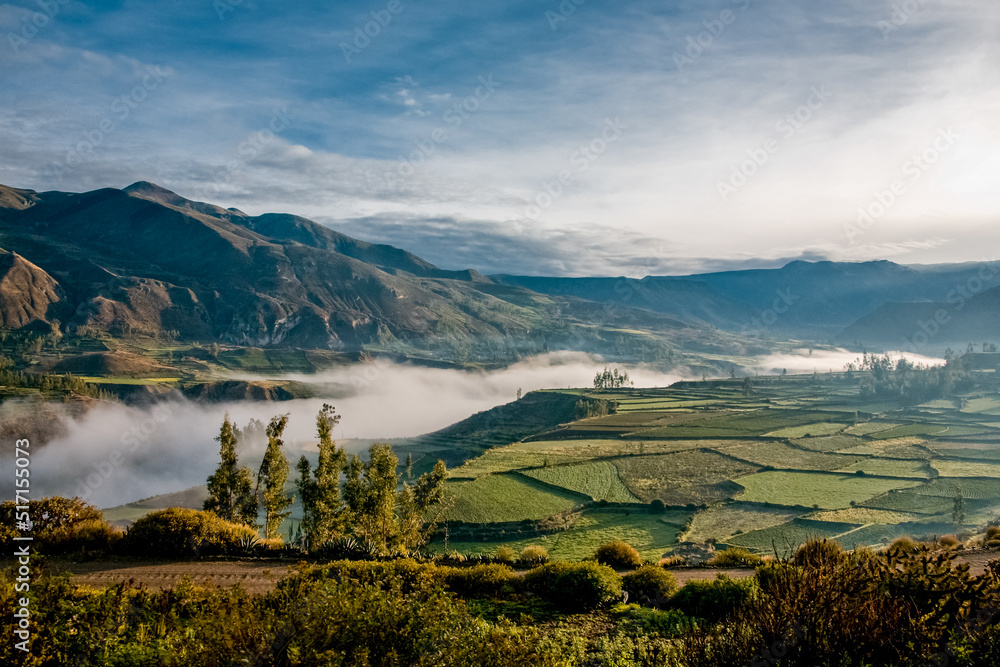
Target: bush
{"points": [[534, 554], [714, 600], [672, 561], [60, 525], [481, 581], [506, 555], [656, 506], [649, 584], [575, 586], [735, 557], [179, 532], [904, 545], [619, 555], [948, 542], [815, 553]]}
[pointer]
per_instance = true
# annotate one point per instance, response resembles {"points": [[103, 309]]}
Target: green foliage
{"points": [[612, 379], [506, 555], [59, 526], [735, 557], [575, 586], [487, 580], [230, 487], [619, 555], [716, 599], [273, 474], [533, 555], [319, 491], [593, 407], [649, 585], [183, 533]]}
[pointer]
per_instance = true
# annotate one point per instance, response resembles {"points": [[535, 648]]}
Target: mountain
{"points": [[917, 325], [28, 295], [145, 260]]}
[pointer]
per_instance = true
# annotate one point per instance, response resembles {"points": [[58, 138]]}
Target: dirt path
{"points": [[261, 576]]}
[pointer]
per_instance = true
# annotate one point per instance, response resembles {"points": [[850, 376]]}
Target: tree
{"points": [[519, 393], [319, 490], [747, 387], [229, 487], [392, 520], [958, 509], [273, 474], [409, 465]]}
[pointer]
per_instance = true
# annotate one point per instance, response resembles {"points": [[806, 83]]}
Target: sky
{"points": [[581, 137]]}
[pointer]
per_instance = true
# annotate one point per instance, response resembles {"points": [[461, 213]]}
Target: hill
{"points": [[146, 261]]}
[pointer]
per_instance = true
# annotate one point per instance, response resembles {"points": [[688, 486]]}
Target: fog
{"points": [[116, 454], [823, 361]]}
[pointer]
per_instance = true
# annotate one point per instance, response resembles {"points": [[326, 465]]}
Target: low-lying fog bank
{"points": [[114, 454]]}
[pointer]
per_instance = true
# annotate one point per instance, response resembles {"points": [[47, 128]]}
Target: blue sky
{"points": [[532, 137]]}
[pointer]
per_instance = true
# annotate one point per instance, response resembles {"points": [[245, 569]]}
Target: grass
{"points": [[815, 429], [891, 467], [910, 502], [499, 498], [967, 469], [651, 535], [932, 430], [781, 455], [869, 428], [830, 443], [863, 515], [598, 479], [682, 478], [808, 489], [971, 487], [785, 538], [721, 521], [739, 424]]}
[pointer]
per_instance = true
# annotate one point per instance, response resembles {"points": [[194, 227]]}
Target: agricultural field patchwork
{"points": [[762, 471]]}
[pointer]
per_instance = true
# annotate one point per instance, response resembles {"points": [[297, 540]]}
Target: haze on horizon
{"points": [[447, 128]]}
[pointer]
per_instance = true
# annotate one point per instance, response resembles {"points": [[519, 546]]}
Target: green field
{"points": [[764, 471], [598, 479], [808, 489], [499, 498]]}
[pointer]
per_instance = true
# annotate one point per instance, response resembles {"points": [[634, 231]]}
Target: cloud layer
{"points": [[478, 135]]}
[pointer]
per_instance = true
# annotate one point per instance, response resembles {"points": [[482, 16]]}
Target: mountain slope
{"points": [[28, 295], [144, 259]]}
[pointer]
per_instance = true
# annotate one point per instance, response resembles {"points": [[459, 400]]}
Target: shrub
{"points": [[992, 537], [948, 542], [650, 584], [735, 557], [672, 561], [904, 545], [481, 581], [619, 555], [534, 554], [179, 532], [815, 553], [656, 506], [575, 586], [714, 600], [506, 555], [61, 525]]}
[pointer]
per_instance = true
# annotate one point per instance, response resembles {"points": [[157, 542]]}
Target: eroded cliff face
{"points": [[28, 295]]}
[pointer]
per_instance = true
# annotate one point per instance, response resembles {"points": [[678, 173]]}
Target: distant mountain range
{"points": [[146, 260]]}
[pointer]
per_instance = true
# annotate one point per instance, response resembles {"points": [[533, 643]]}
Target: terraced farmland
{"points": [[766, 470]]}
